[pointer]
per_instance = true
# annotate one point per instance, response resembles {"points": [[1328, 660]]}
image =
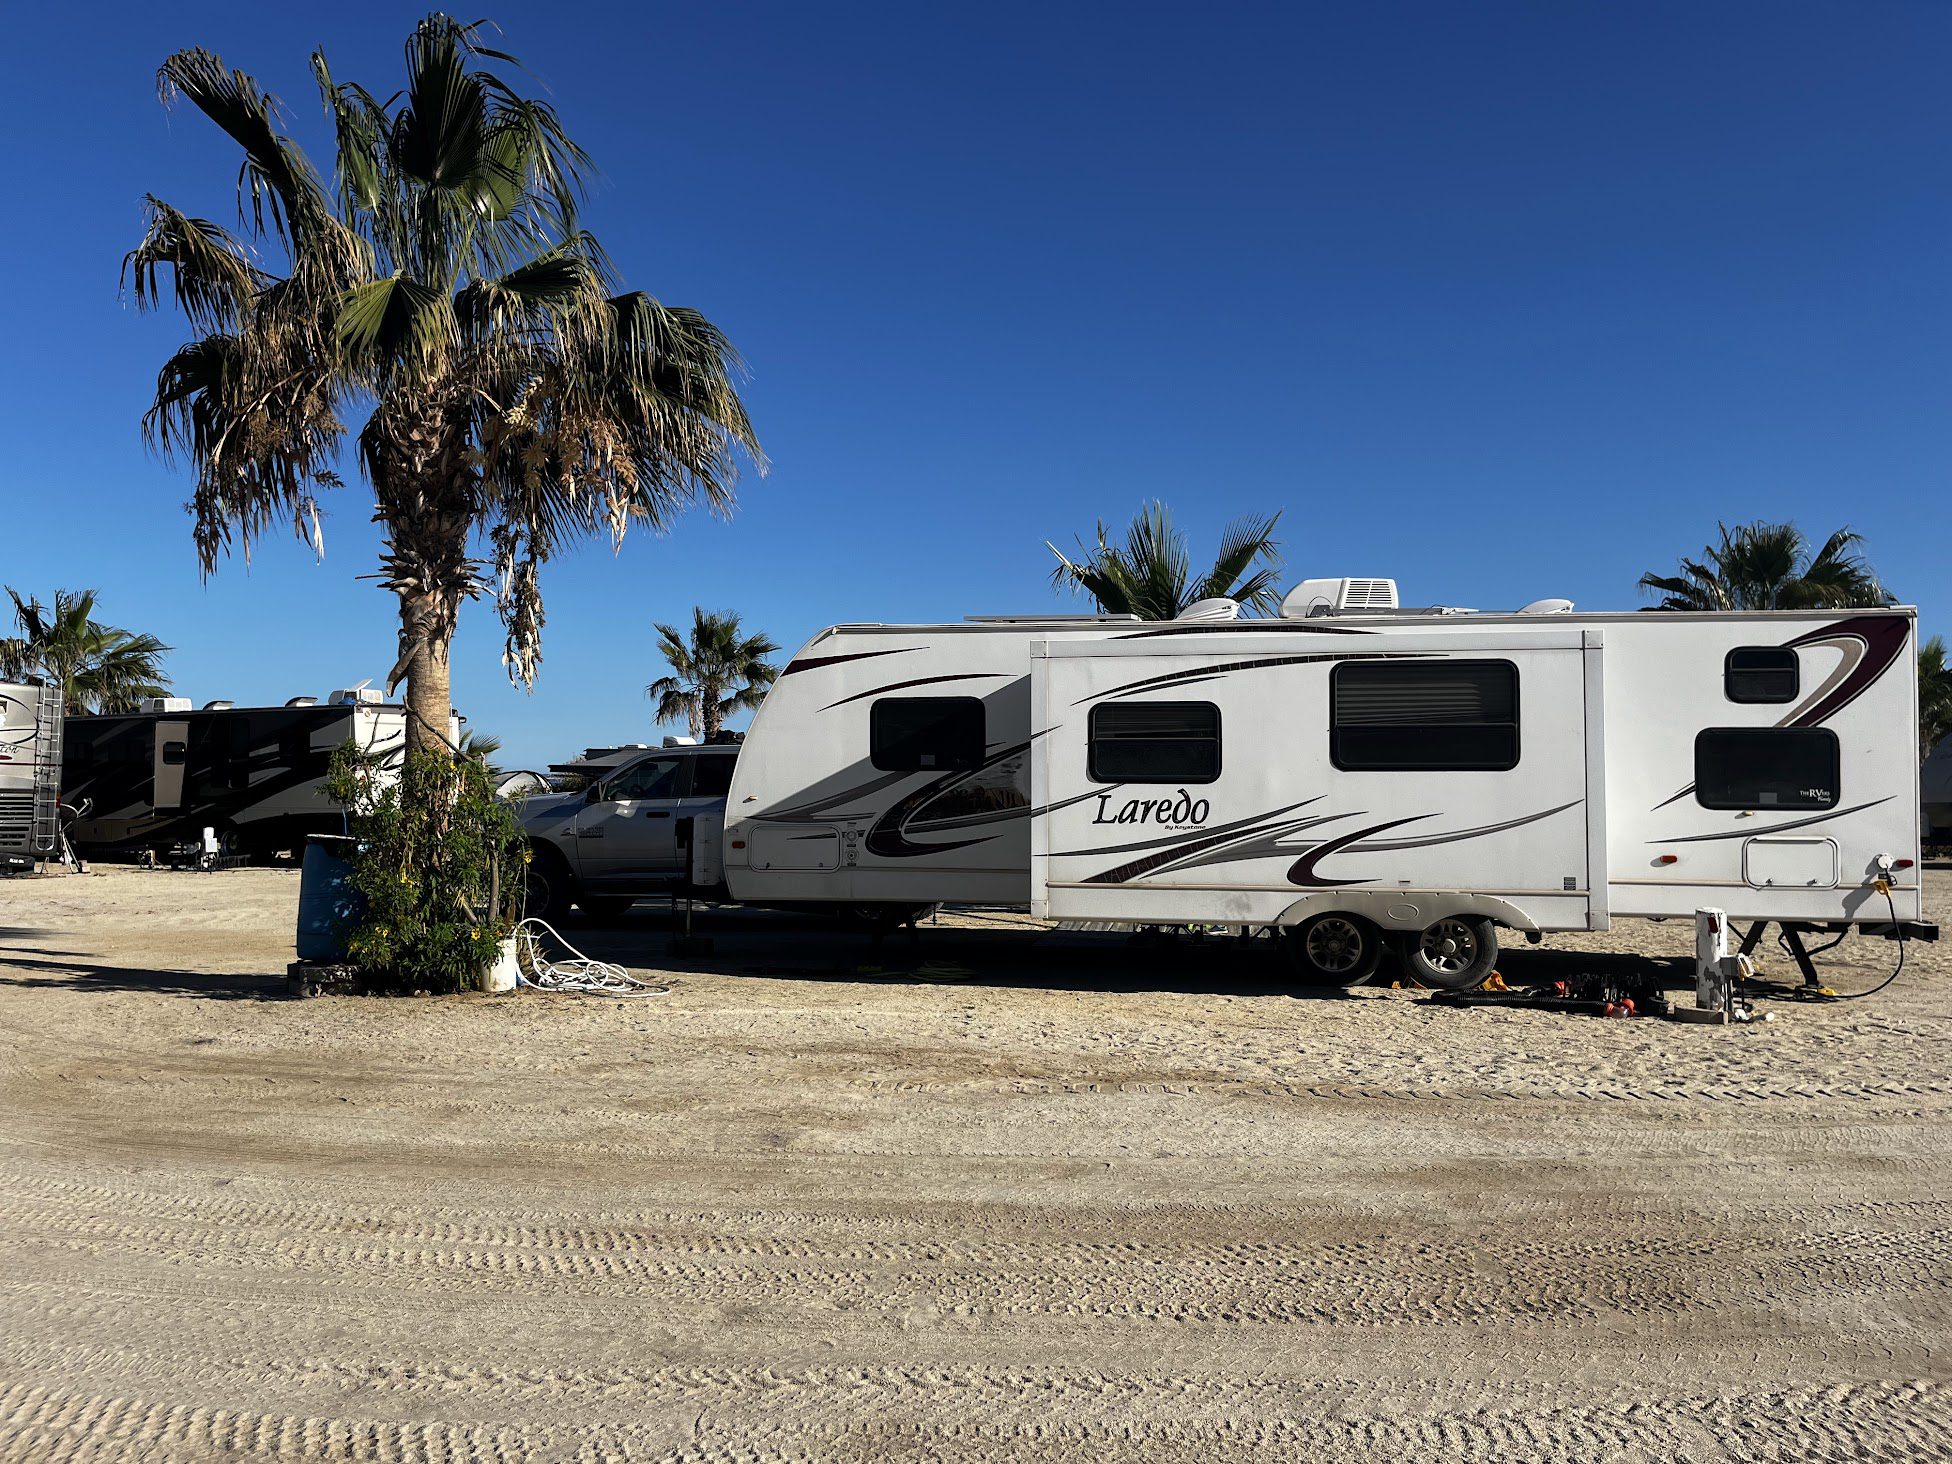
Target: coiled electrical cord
{"points": [[582, 975]]}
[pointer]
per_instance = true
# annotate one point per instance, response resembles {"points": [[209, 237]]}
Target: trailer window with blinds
{"points": [[926, 734], [1154, 742], [1753, 674], [1766, 767], [1424, 716]]}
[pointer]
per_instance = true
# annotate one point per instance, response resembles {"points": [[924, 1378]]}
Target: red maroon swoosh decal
{"points": [[1302, 871]]}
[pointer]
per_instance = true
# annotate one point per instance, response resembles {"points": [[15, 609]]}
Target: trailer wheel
{"points": [[1452, 954], [1333, 950], [550, 886]]}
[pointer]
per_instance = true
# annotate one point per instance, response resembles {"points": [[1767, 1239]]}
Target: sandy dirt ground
{"points": [[995, 1195]]}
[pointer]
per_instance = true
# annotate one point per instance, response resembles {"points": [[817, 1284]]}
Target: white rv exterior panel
{"points": [[1599, 819]]}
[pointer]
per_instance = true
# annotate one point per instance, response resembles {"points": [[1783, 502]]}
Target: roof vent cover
{"points": [[1332, 596], [1220, 608]]}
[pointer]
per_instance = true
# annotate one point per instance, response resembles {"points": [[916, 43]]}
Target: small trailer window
{"points": [[1155, 742], [1766, 767], [926, 734], [1424, 716], [1761, 674]]}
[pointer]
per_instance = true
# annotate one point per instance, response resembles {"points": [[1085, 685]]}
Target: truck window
{"points": [[1753, 674], [711, 777], [654, 777], [1766, 767], [1154, 742], [932, 734], [1424, 716]]}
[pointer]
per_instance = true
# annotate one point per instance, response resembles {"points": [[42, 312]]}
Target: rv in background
{"points": [[155, 779], [1352, 775], [30, 774]]}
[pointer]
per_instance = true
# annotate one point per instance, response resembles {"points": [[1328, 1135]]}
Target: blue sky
{"points": [[1504, 300]]}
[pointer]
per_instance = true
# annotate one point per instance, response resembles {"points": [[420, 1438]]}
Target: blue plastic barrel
{"points": [[327, 902]]}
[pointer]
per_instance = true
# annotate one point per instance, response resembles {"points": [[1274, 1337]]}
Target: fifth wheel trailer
{"points": [[1350, 774], [155, 778]]}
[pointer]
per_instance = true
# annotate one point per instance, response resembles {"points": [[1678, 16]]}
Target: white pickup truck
{"points": [[647, 823]]}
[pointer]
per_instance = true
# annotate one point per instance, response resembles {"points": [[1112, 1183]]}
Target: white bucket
{"points": [[502, 976]]}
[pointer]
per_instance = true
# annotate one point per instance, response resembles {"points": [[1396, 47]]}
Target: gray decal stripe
{"points": [[1799, 823], [918, 681], [1382, 845], [1259, 663]]}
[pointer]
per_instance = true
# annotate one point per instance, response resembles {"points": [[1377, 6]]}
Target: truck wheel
{"points": [[1452, 954], [1333, 950], [550, 887]]}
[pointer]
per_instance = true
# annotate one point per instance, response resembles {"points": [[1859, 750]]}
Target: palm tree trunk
{"points": [[708, 699], [430, 694], [416, 453]]}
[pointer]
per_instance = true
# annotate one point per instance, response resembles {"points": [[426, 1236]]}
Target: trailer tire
{"points": [[551, 887], [1333, 949], [1455, 953]]}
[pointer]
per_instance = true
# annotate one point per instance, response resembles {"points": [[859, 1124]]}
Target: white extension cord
{"points": [[583, 975]]}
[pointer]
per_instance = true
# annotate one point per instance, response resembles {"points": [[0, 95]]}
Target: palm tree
{"points": [[442, 286], [98, 667], [719, 670], [1150, 575], [1765, 566], [1934, 696]]}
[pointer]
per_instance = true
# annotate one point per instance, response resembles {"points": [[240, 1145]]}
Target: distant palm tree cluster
{"points": [[1765, 566], [715, 671], [98, 667]]}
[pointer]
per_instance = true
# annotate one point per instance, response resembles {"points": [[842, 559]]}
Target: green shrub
{"points": [[438, 860]]}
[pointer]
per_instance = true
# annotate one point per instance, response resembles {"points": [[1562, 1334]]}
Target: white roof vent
{"points": [[680, 741], [1333, 596], [356, 696], [303, 701], [219, 706], [1547, 607], [1217, 609], [165, 704]]}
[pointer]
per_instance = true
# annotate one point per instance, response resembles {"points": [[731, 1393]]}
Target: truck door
{"points": [[627, 834], [171, 762]]}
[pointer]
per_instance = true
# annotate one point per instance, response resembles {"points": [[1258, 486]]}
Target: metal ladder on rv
{"points": [[44, 838]]}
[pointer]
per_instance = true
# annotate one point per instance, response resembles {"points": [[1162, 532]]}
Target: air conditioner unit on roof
{"points": [[1332, 596]]}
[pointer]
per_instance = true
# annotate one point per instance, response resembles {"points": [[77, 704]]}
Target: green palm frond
{"points": [[1150, 574], [99, 668], [717, 670], [1767, 566]]}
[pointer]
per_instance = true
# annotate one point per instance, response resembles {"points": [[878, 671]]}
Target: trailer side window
{"points": [[1761, 674], [1766, 767], [926, 734], [1154, 742], [1428, 716]]}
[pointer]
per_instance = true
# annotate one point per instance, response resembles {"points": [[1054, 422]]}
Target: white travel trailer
{"points": [[1351, 775], [30, 774]]}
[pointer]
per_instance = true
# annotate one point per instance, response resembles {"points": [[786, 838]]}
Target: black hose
{"points": [[1856, 995]]}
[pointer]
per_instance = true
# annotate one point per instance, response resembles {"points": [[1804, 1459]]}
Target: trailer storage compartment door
{"points": [[1270, 771]]}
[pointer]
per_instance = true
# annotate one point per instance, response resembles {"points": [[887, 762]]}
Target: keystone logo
{"points": [[1184, 811]]}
